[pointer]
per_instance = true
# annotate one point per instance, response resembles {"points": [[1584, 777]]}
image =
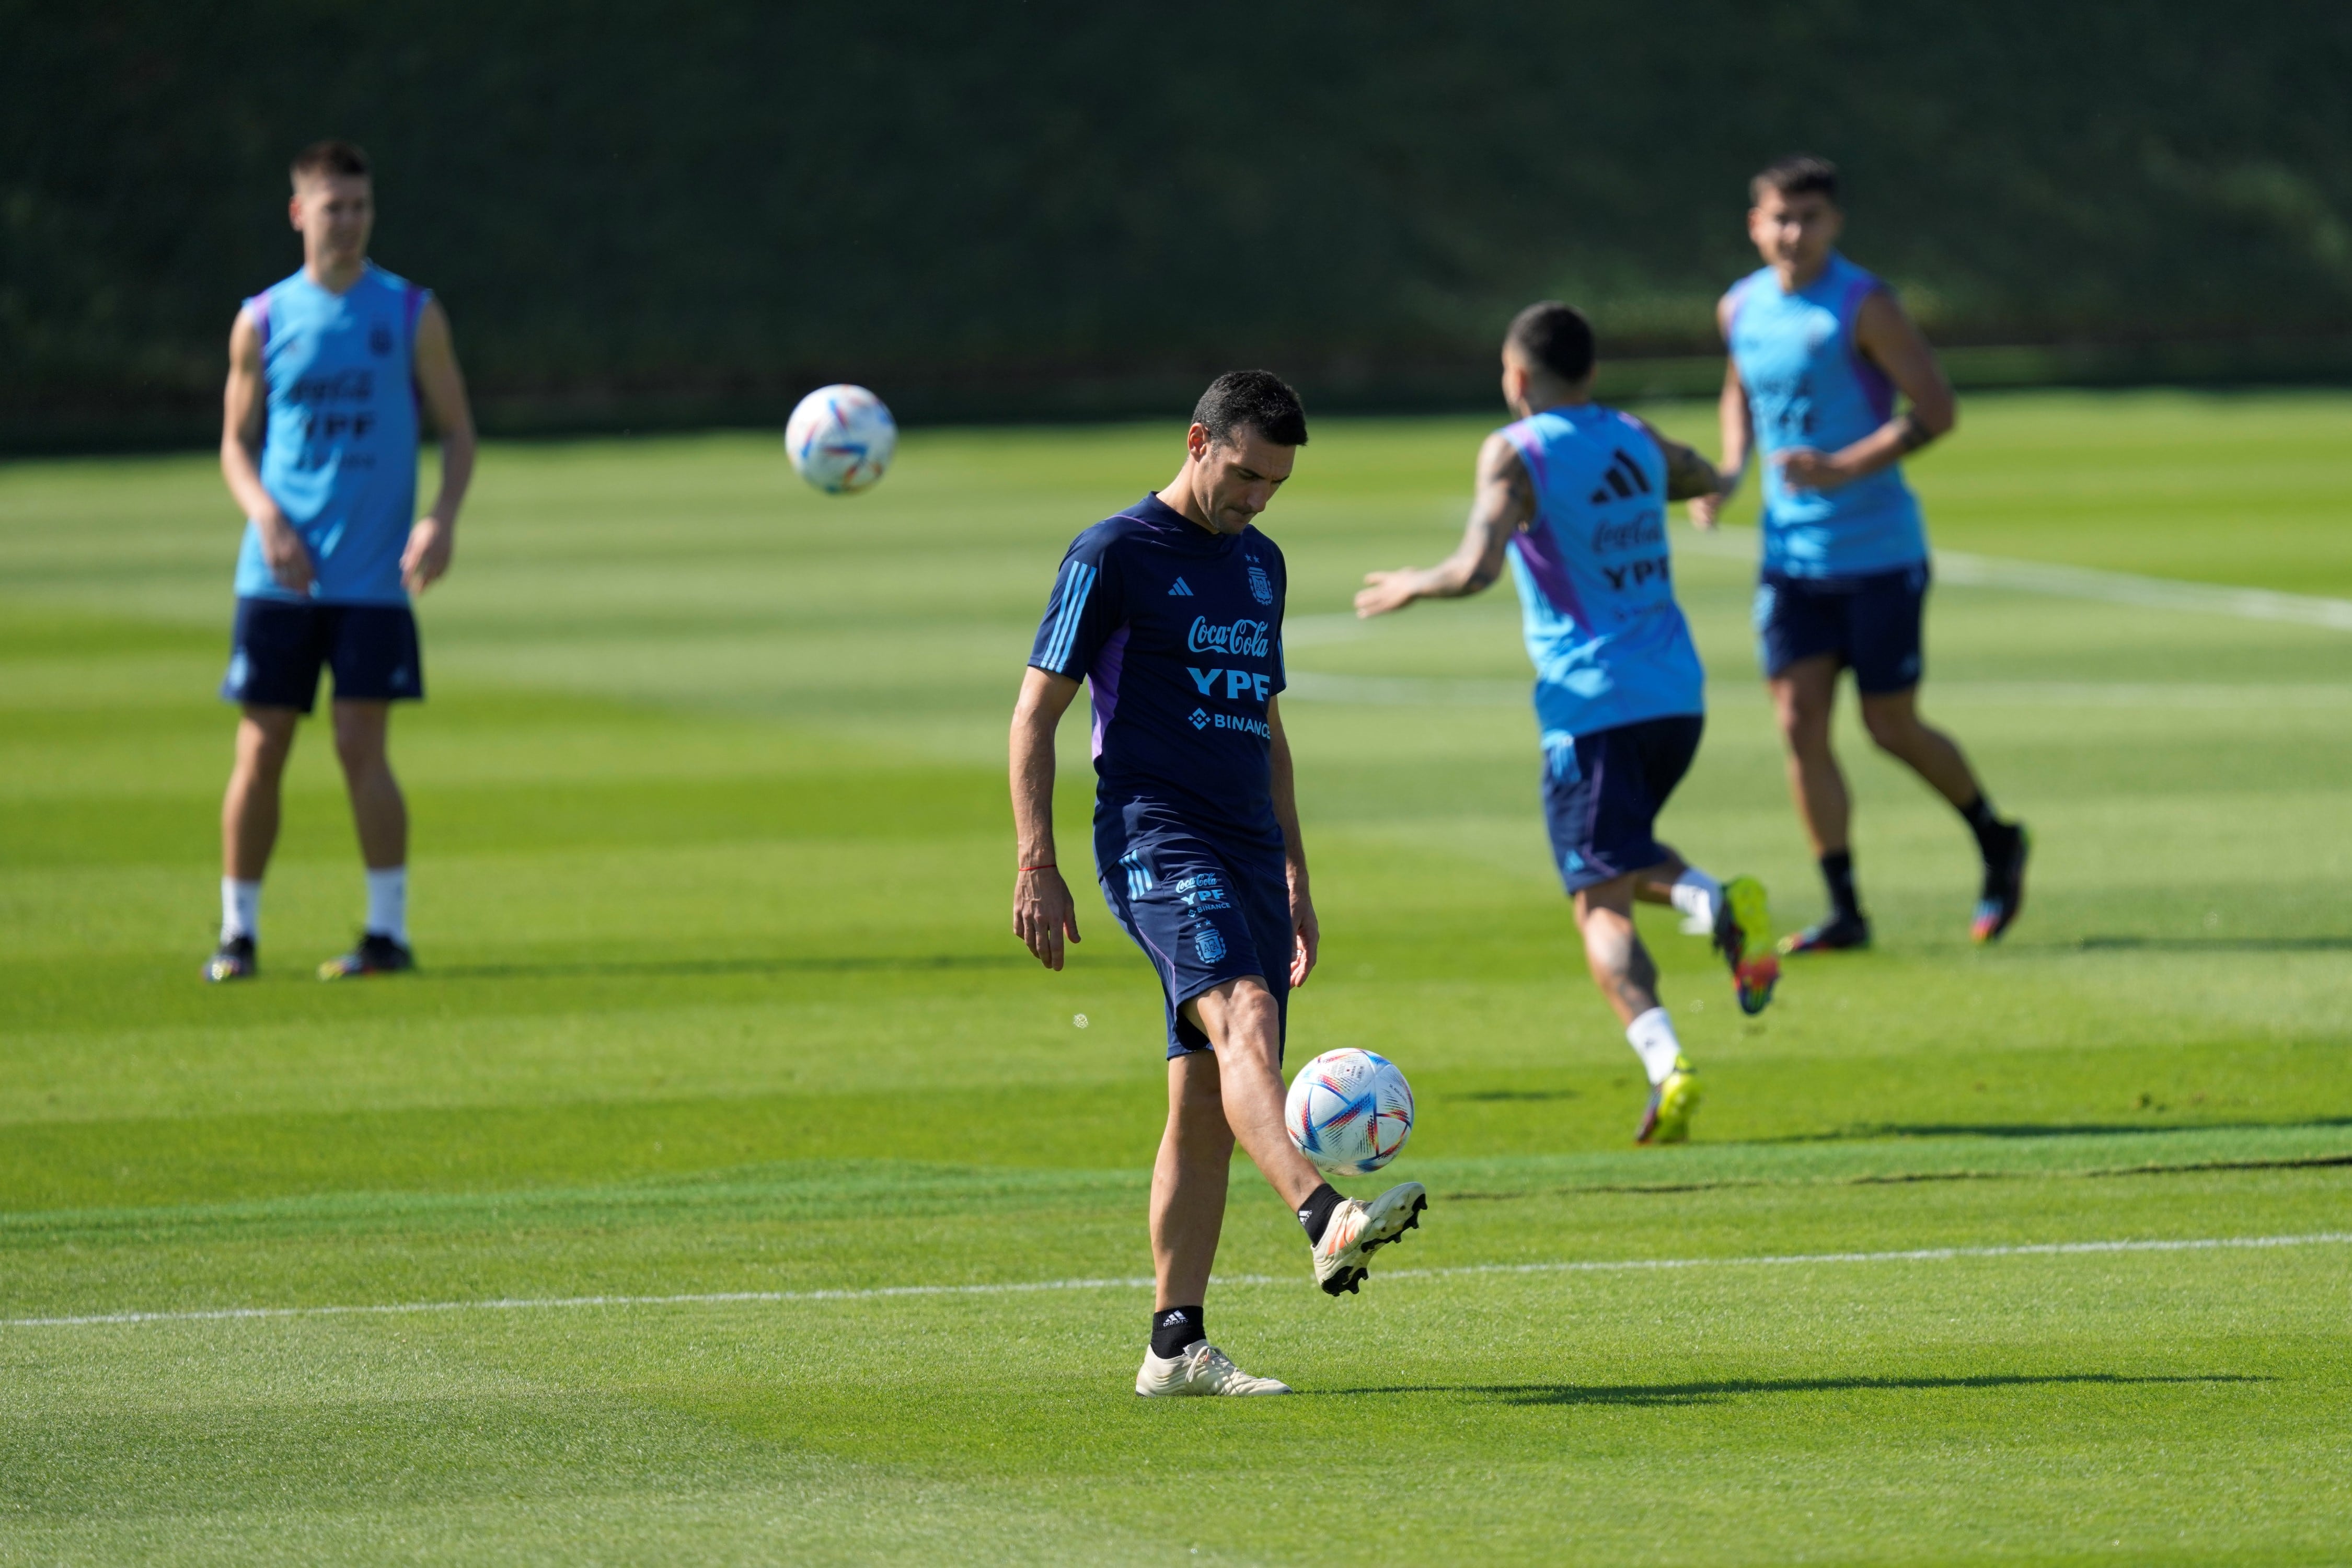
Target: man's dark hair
{"points": [[329, 158], [1554, 337], [1798, 175], [1258, 398]]}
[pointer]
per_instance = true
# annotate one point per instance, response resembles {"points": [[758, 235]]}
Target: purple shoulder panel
{"points": [[1874, 384], [259, 309], [1537, 547], [1104, 679]]}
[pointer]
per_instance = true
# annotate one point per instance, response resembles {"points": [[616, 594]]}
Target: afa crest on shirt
{"points": [[380, 339], [1261, 585]]}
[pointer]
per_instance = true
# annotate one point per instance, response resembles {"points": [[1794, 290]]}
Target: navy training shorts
{"points": [[1204, 909], [1602, 794], [280, 646], [1871, 624]]}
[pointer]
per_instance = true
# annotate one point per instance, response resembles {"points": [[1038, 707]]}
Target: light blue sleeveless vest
{"points": [[339, 451], [1809, 385], [1596, 577]]}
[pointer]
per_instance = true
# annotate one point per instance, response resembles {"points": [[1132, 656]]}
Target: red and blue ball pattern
{"points": [[1349, 1111]]}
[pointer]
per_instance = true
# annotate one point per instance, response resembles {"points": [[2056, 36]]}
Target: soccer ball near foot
{"points": [[1349, 1111], [841, 438]]}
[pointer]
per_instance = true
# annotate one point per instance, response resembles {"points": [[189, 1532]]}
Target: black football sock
{"points": [[1175, 1330], [1837, 870], [1315, 1214], [1994, 836]]}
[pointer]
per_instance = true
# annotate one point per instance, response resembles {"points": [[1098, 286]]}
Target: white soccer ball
{"points": [[841, 438], [1349, 1111]]}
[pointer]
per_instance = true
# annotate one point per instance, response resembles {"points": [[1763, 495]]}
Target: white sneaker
{"points": [[1356, 1228], [1202, 1369]]}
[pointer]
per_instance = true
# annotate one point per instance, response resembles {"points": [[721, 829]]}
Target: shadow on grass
{"points": [[1511, 1094], [872, 964], [2215, 944], [2045, 1129], [1713, 1391]]}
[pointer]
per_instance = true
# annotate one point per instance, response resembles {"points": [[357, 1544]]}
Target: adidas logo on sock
{"points": [[1182, 591], [1172, 1320]]}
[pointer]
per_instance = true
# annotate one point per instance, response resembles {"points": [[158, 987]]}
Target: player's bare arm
{"points": [[441, 387], [1044, 913], [245, 406], [1503, 503], [1307, 931], [1887, 336], [1688, 475], [1737, 435]]}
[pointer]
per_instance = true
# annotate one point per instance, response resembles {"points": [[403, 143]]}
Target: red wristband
{"points": [[1048, 866]]}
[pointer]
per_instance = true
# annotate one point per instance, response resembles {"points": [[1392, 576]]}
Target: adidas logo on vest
{"points": [[1182, 590]]}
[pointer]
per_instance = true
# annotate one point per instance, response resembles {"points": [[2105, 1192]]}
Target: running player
{"points": [[1171, 611], [1819, 349], [327, 371], [1575, 494]]}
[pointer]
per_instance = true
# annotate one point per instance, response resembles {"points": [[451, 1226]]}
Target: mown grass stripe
{"points": [[884, 1292]]}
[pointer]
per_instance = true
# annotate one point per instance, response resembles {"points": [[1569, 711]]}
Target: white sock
{"points": [[240, 909], [1652, 1035], [388, 903], [1697, 896]]}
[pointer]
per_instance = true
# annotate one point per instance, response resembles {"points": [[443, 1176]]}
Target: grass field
{"points": [[711, 870]]}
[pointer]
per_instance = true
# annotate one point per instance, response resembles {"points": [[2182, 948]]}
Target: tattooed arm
{"points": [[1687, 473], [1505, 503]]}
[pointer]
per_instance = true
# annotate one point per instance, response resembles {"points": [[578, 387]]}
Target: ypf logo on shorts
{"points": [[1210, 943]]}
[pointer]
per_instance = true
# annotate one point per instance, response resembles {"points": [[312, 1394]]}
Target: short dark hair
{"points": [[1798, 175], [1554, 337], [1258, 398], [329, 157]]}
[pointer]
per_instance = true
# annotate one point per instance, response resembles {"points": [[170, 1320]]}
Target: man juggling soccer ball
{"points": [[1171, 611], [1574, 494], [327, 371], [1819, 349]]}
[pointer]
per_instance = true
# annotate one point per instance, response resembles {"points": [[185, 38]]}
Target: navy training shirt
{"points": [[1178, 631]]}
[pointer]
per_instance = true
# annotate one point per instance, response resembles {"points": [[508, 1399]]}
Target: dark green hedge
{"points": [[693, 210]]}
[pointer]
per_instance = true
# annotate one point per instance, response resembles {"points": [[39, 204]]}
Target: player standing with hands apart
{"points": [[328, 370], [1819, 349], [1171, 611]]}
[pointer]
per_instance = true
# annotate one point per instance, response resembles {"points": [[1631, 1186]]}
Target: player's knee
{"points": [[1892, 728]]}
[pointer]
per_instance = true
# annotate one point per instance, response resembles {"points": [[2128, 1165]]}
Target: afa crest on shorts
{"points": [[1210, 943]]}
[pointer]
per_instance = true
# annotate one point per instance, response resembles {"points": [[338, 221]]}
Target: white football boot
{"points": [[1358, 1228], [1202, 1369]]}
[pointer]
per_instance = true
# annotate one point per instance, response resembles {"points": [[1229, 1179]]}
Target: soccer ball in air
{"points": [[841, 438], [1349, 1111]]}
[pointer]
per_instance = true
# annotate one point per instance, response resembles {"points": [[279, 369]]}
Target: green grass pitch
{"points": [[712, 863]]}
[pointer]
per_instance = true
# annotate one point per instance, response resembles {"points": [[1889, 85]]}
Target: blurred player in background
{"points": [[327, 372], [1575, 495], [1171, 611], [1819, 349]]}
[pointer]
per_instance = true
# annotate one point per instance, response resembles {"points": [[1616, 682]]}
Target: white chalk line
{"points": [[1952, 566], [886, 1292]]}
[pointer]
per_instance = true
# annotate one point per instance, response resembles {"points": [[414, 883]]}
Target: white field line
{"points": [[1952, 566], [722, 1297], [2087, 583], [1416, 691]]}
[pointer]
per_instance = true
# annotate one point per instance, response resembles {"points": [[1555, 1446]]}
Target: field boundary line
{"points": [[884, 1292], [1966, 570]]}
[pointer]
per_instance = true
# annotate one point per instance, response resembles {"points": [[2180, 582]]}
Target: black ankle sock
{"points": [[1175, 1330], [1315, 1212], [1837, 870], [1993, 834]]}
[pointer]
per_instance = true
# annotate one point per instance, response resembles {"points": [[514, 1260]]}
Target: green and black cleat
{"points": [[376, 954]]}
